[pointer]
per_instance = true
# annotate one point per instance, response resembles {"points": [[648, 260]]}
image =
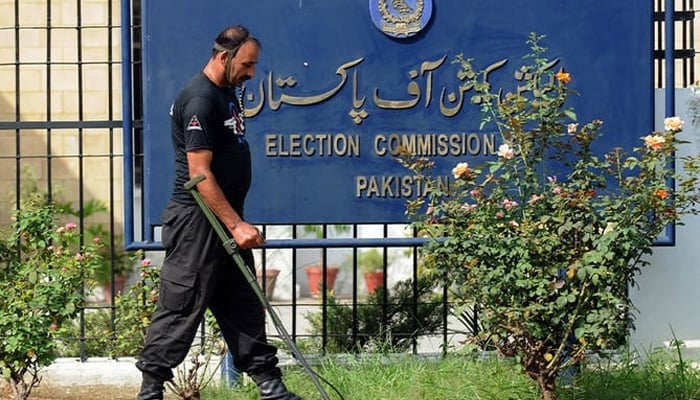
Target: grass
{"points": [[662, 377], [461, 378]]}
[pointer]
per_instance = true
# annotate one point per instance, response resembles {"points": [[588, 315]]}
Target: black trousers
{"points": [[197, 274]]}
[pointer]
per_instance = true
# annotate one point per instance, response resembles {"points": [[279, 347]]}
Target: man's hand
{"points": [[246, 235]]}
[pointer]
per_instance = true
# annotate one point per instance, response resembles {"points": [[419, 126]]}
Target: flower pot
{"points": [[314, 276], [119, 285], [270, 279], [373, 280]]}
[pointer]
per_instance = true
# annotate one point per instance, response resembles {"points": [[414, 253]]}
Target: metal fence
{"points": [[684, 51], [61, 134]]}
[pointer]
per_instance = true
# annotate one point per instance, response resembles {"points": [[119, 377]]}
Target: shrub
{"points": [[132, 315], [44, 270], [393, 321], [547, 237]]}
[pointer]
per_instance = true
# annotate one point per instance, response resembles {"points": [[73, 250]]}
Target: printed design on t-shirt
{"points": [[194, 124], [235, 123]]}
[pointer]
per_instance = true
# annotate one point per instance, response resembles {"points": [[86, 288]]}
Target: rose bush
{"points": [[547, 237], [134, 309], [118, 332], [44, 270]]}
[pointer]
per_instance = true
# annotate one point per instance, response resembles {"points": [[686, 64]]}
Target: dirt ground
{"points": [[97, 392]]}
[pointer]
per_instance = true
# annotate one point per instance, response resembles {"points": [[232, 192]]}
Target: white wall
{"points": [[668, 292]]}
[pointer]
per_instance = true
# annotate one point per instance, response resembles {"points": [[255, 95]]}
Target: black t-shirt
{"points": [[205, 116]]}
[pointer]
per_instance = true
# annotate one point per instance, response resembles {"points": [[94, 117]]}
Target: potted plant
{"points": [[265, 274], [314, 275], [122, 262], [267, 279], [371, 264], [314, 271]]}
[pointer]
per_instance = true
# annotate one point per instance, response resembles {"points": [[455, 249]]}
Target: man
{"points": [[208, 133]]}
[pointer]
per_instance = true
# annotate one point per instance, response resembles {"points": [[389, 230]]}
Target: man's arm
{"points": [[245, 234]]}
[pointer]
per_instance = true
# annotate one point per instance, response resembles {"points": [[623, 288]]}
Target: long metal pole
{"points": [[127, 125], [670, 90], [669, 58]]}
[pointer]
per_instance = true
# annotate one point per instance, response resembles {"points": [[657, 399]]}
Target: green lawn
{"points": [[375, 377], [464, 378]]}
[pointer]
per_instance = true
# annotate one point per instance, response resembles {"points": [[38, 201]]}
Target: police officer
{"points": [[208, 135]]}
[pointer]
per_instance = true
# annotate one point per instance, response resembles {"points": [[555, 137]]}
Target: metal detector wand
{"points": [[232, 249]]}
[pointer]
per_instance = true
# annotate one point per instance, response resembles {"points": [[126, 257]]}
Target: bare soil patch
{"points": [[82, 392]]}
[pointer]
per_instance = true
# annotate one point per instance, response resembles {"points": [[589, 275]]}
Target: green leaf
{"points": [[561, 301]]}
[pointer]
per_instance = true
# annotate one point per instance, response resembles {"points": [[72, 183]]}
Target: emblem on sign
{"points": [[400, 18]]}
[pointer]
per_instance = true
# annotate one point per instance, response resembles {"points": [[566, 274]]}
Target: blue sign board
{"points": [[341, 84]]}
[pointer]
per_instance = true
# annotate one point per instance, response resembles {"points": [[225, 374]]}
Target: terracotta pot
{"points": [[314, 275], [373, 280], [270, 280], [119, 285]]}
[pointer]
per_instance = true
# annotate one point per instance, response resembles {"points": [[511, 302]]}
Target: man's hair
{"points": [[231, 39]]}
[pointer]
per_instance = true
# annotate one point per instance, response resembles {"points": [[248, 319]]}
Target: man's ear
{"points": [[222, 57]]}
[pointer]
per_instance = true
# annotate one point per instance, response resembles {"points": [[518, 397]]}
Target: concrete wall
{"points": [[53, 93], [667, 294]]}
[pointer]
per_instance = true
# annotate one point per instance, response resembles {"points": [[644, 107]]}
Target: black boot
{"points": [[151, 388], [274, 389]]}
